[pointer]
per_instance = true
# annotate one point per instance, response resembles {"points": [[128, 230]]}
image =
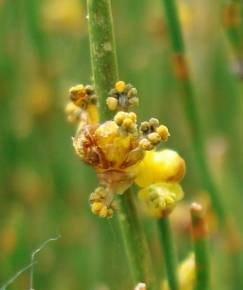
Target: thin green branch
{"points": [[169, 252], [140, 262], [105, 74], [199, 237]]}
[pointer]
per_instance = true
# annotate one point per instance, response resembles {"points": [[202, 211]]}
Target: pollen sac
{"points": [[82, 95], [101, 202], [152, 134], [160, 166], [161, 198], [122, 97]]}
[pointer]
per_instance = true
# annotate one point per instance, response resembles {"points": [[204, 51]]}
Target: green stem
{"points": [[199, 236], [105, 74], [103, 50], [135, 241], [190, 108], [169, 252]]}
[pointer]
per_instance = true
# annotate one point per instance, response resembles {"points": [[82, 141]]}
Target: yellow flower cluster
{"points": [[120, 151]]}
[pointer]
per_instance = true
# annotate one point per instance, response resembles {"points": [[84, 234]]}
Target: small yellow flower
{"points": [[161, 198]]}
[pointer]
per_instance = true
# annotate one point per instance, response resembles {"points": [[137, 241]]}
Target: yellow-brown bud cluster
{"points": [[82, 95], [82, 107], [122, 97], [101, 202], [126, 121], [152, 133]]}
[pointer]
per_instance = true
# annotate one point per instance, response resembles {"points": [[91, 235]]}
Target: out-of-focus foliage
{"points": [[44, 188]]}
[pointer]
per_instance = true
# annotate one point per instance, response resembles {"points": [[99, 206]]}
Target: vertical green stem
{"points": [[135, 241], [103, 50], [169, 252], [105, 74], [188, 99], [199, 236]]}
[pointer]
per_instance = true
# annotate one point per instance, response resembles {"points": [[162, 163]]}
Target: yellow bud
{"points": [[134, 101], [103, 212], [76, 89], [163, 132], [145, 144], [112, 103], [96, 207], [119, 117], [132, 116], [154, 122], [120, 86], [154, 138], [127, 123], [158, 166]]}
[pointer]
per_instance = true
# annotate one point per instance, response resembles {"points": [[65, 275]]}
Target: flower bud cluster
{"points": [[122, 97], [101, 202], [121, 152], [82, 105], [152, 134]]}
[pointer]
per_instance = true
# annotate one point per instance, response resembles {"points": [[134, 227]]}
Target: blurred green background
{"points": [[44, 188]]}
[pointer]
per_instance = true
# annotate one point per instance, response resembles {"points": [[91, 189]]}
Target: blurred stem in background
{"points": [[183, 77], [199, 237], [105, 74], [232, 20], [169, 252]]}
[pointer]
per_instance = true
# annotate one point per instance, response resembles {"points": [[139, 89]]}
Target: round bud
{"points": [[154, 138], [132, 116], [96, 207], [119, 117], [132, 92], [120, 86], [112, 103], [163, 132], [103, 212], [154, 122], [144, 126], [134, 101], [145, 144], [127, 123]]}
